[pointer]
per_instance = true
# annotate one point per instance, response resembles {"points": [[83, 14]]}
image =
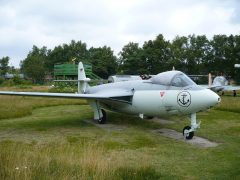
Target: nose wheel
{"points": [[188, 131]]}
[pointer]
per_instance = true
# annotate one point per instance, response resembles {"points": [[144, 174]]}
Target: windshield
{"points": [[164, 78], [181, 80]]}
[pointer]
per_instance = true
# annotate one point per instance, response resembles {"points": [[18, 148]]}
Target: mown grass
{"points": [[60, 141]]}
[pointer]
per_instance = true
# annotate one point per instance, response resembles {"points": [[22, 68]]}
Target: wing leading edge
{"points": [[221, 88], [231, 88], [122, 96]]}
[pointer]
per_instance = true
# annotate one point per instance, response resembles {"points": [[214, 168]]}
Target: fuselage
{"points": [[160, 96], [218, 83]]}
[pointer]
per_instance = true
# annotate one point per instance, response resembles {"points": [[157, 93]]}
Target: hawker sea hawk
{"points": [[167, 93]]}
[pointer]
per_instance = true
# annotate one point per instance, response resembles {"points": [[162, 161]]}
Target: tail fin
{"points": [[81, 72], [82, 79]]}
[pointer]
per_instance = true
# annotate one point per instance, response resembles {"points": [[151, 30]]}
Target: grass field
{"points": [[44, 138]]}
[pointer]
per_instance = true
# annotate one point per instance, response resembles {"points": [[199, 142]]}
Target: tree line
{"points": [[40, 61], [191, 54]]}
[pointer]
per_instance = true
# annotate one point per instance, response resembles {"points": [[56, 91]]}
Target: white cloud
{"points": [[107, 22]]}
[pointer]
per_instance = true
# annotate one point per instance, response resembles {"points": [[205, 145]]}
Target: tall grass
{"points": [[66, 161], [25, 88], [13, 107], [231, 104]]}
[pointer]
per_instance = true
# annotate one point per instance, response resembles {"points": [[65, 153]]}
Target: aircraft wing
{"points": [[210, 87], [221, 88], [114, 95], [205, 86], [231, 88]]}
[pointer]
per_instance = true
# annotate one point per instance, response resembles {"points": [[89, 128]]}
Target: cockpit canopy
{"points": [[220, 80], [172, 78]]}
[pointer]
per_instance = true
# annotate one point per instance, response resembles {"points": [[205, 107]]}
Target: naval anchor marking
{"points": [[184, 99]]}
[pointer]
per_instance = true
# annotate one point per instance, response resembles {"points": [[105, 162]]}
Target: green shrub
{"points": [[17, 80], [1, 80], [8, 83]]}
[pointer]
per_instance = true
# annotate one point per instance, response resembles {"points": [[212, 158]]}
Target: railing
{"points": [[72, 70]]}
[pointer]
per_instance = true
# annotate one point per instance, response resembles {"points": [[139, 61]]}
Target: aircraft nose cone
{"points": [[201, 100], [214, 98]]}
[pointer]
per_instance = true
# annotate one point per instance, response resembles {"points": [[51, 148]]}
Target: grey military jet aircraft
{"points": [[220, 83], [167, 93]]}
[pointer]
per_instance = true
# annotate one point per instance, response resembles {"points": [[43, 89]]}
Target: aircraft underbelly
{"points": [[149, 102], [119, 107]]}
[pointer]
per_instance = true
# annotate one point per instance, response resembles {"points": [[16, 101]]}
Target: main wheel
{"points": [[103, 119], [188, 135], [149, 117]]}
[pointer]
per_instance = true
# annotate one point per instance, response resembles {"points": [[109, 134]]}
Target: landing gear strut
{"points": [[103, 119], [188, 132], [99, 114]]}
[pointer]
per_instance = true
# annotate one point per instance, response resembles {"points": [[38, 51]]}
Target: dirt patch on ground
{"points": [[161, 121], [109, 127], [197, 141]]}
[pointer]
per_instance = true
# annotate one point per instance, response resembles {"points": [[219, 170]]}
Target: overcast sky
{"points": [[25, 23]]}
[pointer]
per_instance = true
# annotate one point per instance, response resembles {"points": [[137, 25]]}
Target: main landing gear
{"points": [[103, 119], [99, 114], [188, 132]]}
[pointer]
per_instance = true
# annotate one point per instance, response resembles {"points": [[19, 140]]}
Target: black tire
{"points": [[104, 118], [149, 117], [188, 135]]}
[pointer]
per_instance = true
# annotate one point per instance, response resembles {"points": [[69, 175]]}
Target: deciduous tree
{"points": [[4, 65]]}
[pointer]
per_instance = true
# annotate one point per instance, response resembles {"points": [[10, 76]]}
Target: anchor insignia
{"points": [[184, 99]]}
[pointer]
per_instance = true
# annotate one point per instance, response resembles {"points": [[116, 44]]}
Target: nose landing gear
{"points": [[188, 132]]}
